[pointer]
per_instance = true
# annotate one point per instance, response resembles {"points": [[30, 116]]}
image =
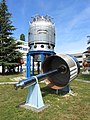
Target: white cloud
{"points": [[24, 6], [71, 33], [78, 19]]}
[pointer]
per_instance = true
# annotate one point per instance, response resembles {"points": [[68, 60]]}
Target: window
{"points": [[78, 56], [80, 61], [52, 47], [49, 46], [25, 49], [35, 46], [30, 47], [42, 46], [20, 48]]}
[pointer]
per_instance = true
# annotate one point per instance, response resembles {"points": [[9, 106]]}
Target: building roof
{"points": [[88, 51]]}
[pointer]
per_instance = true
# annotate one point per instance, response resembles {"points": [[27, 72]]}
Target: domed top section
{"points": [[41, 20], [41, 35]]}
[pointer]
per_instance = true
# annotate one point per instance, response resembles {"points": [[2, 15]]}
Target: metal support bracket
{"points": [[34, 98], [64, 90]]}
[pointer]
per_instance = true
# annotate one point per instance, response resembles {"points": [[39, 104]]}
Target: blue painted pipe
{"points": [[32, 80]]}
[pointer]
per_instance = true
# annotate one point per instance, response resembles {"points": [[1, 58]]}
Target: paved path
{"points": [[86, 81], [7, 83], [11, 83]]}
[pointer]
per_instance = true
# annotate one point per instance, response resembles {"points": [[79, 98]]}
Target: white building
{"points": [[88, 43], [23, 48], [82, 56]]}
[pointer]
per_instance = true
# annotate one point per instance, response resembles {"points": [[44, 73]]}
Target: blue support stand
{"points": [[33, 67], [32, 53], [38, 67], [28, 67], [64, 90], [21, 69], [34, 99], [42, 58]]}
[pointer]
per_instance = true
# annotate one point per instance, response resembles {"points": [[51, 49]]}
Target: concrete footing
{"points": [[34, 109]]}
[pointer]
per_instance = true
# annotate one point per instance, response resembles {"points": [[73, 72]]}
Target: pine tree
{"points": [[22, 37], [9, 55]]}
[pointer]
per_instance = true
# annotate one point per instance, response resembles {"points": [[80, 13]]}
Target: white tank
{"points": [[41, 34]]}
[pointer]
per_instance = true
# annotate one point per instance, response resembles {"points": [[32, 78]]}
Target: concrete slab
{"points": [[34, 109]]}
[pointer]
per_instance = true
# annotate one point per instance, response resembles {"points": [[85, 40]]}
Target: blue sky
{"points": [[71, 17]]}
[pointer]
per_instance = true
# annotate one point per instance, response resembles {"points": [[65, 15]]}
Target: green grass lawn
{"points": [[61, 108], [83, 76], [7, 78]]}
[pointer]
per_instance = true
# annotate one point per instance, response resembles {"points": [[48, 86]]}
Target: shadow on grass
{"points": [[11, 73], [20, 104], [46, 90]]}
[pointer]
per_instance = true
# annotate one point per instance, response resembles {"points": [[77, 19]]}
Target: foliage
{"points": [[88, 58], [22, 37], [8, 47]]}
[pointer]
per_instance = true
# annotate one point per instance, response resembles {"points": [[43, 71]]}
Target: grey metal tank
{"points": [[41, 34]]}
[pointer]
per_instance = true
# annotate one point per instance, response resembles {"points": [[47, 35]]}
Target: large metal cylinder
{"points": [[58, 70], [41, 34], [59, 80]]}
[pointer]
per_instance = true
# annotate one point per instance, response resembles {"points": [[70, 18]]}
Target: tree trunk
{"points": [[3, 69]]}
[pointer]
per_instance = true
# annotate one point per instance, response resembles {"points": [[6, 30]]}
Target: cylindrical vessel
{"points": [[58, 70], [41, 34], [59, 80]]}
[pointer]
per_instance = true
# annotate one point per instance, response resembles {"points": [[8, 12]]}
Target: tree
{"points": [[9, 55], [22, 37], [88, 58]]}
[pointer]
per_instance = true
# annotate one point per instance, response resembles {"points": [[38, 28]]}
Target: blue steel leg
{"points": [[21, 69], [38, 67], [33, 66], [66, 89], [28, 65], [42, 58]]}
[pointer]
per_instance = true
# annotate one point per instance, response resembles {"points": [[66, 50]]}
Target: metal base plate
{"points": [[34, 109]]}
